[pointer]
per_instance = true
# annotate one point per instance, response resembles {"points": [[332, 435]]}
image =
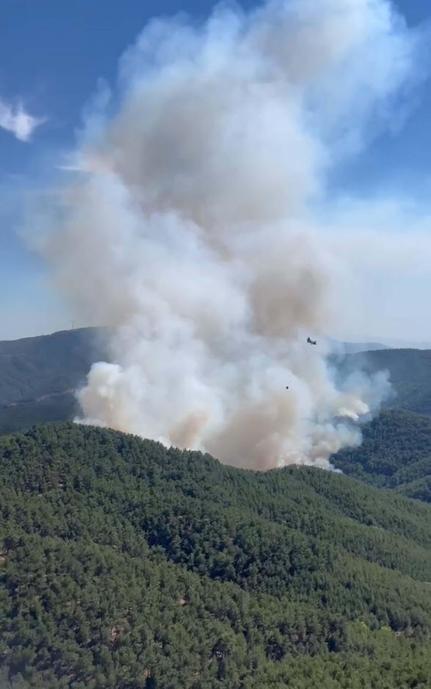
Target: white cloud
{"points": [[17, 121]]}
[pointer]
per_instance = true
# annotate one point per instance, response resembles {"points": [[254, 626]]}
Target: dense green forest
{"points": [[395, 453], [129, 566]]}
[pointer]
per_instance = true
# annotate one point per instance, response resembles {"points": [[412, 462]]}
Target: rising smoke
{"points": [[189, 226]]}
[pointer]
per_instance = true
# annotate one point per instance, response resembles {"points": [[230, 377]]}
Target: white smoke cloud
{"points": [[189, 227], [17, 121]]}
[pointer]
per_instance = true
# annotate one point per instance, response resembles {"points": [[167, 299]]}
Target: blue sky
{"points": [[52, 54]]}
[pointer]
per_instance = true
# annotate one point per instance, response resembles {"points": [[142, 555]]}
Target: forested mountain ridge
{"points": [[39, 376], [127, 565], [395, 453], [410, 375], [36, 366]]}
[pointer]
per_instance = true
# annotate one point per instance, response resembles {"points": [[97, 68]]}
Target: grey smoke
{"points": [[188, 226]]}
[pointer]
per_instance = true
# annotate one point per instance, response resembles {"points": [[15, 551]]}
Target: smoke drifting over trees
{"points": [[188, 226]]}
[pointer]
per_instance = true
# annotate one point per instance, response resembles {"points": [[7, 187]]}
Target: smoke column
{"points": [[188, 226]]}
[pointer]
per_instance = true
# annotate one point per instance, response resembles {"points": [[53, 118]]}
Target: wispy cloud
{"points": [[17, 121]]}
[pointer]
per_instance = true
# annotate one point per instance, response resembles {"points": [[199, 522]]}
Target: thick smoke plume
{"points": [[189, 226]]}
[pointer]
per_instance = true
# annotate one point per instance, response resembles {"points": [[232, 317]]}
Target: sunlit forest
{"points": [[129, 566]]}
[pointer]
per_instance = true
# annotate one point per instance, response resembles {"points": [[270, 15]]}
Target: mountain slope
{"points": [[38, 376], [127, 565], [410, 375], [395, 453]]}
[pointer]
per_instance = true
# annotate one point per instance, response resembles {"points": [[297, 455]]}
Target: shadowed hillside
{"points": [[38, 376], [410, 375], [395, 453], [396, 448]]}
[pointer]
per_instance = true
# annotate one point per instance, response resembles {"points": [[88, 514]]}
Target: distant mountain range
{"points": [[410, 375], [38, 376], [356, 347]]}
